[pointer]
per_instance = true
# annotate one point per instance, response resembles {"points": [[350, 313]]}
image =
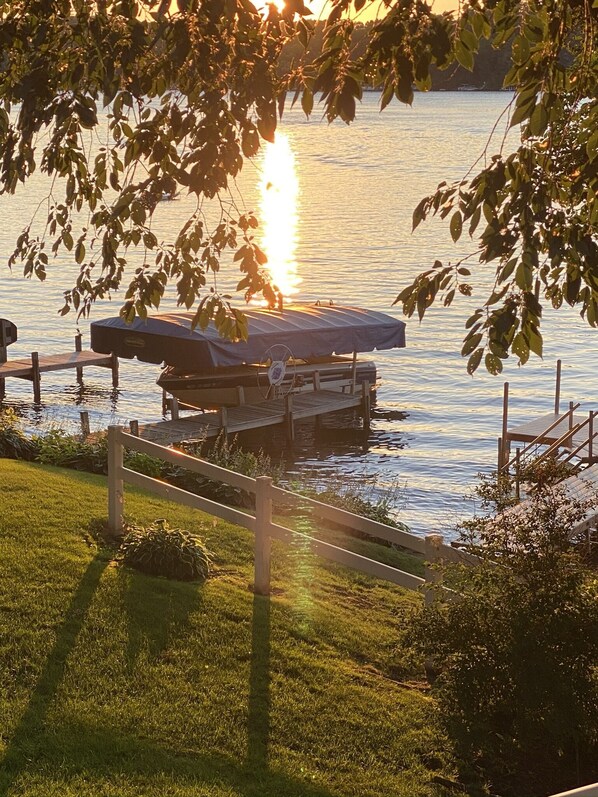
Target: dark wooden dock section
{"points": [[253, 416], [37, 364]]}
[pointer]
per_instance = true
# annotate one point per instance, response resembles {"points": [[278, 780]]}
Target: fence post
{"points": [[115, 481], [263, 519], [433, 544]]}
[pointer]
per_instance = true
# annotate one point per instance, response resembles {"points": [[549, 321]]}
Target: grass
{"points": [[117, 684]]}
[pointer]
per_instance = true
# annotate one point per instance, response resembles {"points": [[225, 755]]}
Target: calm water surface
{"points": [[435, 427]]}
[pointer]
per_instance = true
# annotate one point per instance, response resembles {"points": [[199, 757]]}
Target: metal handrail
{"points": [[561, 442], [538, 439], [584, 443]]}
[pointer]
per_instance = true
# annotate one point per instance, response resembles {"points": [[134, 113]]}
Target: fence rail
{"points": [[584, 791], [261, 522]]}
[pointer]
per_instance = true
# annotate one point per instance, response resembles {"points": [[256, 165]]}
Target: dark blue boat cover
{"points": [[308, 330]]}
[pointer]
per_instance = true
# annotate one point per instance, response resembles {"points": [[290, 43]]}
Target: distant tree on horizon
{"points": [[193, 89]]}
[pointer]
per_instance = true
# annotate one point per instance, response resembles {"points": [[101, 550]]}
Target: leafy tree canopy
{"points": [[192, 88]]}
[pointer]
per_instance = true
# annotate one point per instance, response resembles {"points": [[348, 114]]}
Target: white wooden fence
{"points": [[261, 523], [584, 791]]}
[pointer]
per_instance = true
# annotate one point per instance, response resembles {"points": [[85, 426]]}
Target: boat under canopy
{"points": [[309, 331]]}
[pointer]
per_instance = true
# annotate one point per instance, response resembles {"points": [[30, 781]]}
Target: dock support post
{"points": [[263, 521], [499, 457], [354, 374], [134, 428], [224, 420], [114, 368], [316, 380], [591, 438], [366, 408], [517, 472], [557, 389], [569, 443], [288, 418], [240, 395], [36, 378], [115, 481], [174, 409], [503, 456], [78, 347], [2, 389], [85, 428]]}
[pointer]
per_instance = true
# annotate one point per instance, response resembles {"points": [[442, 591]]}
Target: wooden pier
{"points": [[231, 420], [37, 364], [568, 434]]}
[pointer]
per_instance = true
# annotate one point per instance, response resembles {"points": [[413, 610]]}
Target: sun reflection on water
{"points": [[279, 189]]}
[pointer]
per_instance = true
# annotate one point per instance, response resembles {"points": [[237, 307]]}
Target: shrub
{"points": [[160, 550], [57, 447], [516, 653], [14, 443]]}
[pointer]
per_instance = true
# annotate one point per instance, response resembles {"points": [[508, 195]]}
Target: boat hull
{"points": [[230, 387]]}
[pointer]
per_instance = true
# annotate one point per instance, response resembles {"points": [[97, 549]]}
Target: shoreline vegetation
{"points": [[488, 73]]}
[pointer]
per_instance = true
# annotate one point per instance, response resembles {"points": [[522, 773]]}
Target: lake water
{"points": [[435, 427]]}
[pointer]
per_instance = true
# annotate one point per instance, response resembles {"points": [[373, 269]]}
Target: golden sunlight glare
{"points": [[279, 188]]}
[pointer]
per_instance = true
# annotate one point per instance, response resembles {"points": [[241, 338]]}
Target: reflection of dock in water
{"points": [[231, 420]]}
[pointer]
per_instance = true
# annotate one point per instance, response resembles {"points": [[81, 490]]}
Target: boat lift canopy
{"points": [[309, 331]]}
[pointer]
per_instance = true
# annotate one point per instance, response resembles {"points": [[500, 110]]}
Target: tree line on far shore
{"points": [[489, 70]]}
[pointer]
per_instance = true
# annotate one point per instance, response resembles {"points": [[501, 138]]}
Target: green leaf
{"points": [[456, 226], [471, 343], [464, 56], [307, 101], [493, 364], [474, 361]]}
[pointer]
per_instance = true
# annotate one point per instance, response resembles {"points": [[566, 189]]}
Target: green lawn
{"points": [[118, 684]]}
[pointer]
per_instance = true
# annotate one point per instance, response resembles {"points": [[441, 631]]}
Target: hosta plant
{"points": [[159, 550]]}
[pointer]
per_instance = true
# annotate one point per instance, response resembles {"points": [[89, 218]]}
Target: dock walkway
{"points": [[537, 430], [580, 488], [252, 416], [32, 368]]}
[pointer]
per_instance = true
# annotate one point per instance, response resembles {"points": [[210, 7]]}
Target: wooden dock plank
{"points": [[249, 416], [531, 430], [582, 487], [22, 368]]}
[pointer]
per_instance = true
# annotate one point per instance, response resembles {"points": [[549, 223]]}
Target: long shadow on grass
{"points": [[259, 686], [155, 616], [29, 732]]}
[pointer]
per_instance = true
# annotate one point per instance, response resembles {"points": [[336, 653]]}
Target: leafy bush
{"points": [[57, 447], [516, 655], [14, 443], [160, 550]]}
